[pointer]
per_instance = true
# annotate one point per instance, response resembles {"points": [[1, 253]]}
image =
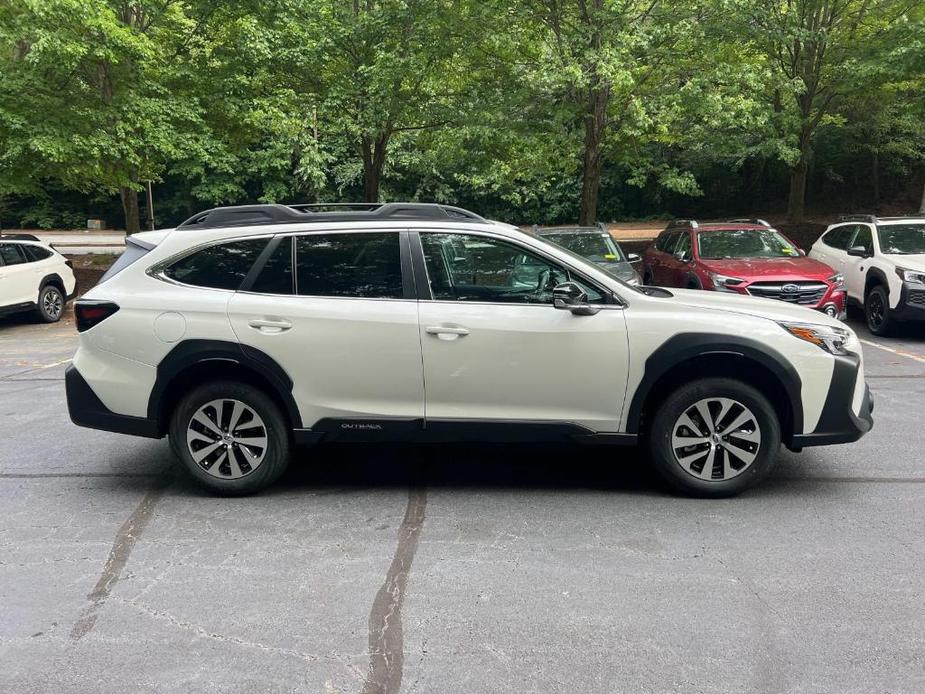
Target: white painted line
{"points": [[908, 355]]}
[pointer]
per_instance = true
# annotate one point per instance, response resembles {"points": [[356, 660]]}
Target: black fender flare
{"points": [[54, 277], [876, 276], [191, 353], [685, 346]]}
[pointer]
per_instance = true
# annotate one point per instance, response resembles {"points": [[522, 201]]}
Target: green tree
{"points": [[93, 94], [820, 52]]}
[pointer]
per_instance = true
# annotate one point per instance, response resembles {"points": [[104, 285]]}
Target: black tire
{"points": [[50, 306], [647, 278], [877, 311], [276, 453], [685, 398], [693, 282]]}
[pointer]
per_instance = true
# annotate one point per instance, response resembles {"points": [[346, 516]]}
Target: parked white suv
{"points": [[34, 277], [883, 262], [248, 329]]}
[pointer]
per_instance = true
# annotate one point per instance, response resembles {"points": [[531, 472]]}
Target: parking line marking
{"points": [[910, 355]]}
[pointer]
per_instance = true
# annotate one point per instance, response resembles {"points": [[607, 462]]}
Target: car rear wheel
{"points": [[877, 311], [647, 278], [51, 304], [714, 437], [231, 437]]}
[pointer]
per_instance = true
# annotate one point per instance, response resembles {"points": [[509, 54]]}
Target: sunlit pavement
{"points": [[454, 568]]}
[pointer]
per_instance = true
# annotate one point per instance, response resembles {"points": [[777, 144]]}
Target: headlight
{"points": [[632, 281], [830, 338], [724, 283], [914, 276], [838, 280]]}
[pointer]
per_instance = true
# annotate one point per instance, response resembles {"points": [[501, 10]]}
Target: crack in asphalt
{"points": [[121, 550], [386, 647]]}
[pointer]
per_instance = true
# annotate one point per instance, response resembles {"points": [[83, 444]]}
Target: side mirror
{"points": [[858, 252], [682, 256], [568, 296], [633, 257]]}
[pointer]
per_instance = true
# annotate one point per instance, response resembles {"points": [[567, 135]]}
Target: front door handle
{"points": [[270, 327], [444, 332]]}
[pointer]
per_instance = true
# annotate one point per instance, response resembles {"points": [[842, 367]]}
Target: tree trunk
{"points": [[374, 153], [595, 125], [130, 210], [875, 175], [922, 205], [796, 205]]}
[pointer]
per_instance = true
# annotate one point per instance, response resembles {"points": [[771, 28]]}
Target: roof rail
{"points": [[676, 223], [869, 218], [260, 215], [749, 220]]}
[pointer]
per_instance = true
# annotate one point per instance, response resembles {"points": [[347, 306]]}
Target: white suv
{"points": [[883, 262], [34, 277], [247, 330]]}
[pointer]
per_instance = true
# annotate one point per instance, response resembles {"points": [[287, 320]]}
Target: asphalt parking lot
{"points": [[454, 569]]}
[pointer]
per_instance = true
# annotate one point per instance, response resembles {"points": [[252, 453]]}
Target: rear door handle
{"points": [[444, 332], [270, 326]]}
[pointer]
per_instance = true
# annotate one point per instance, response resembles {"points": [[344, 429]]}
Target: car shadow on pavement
{"points": [[512, 466]]}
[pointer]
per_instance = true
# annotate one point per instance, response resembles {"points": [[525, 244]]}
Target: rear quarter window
{"points": [[36, 253], [222, 266]]}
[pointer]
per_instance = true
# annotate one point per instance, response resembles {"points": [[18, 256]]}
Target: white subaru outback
{"points": [[247, 330], [883, 262]]}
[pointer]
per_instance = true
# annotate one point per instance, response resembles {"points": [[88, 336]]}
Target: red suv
{"points": [[744, 256]]}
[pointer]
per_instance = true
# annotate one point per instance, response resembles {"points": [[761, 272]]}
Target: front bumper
{"points": [[838, 423], [911, 304], [87, 410]]}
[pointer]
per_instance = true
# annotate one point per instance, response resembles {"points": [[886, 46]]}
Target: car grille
{"points": [[805, 293], [916, 297]]}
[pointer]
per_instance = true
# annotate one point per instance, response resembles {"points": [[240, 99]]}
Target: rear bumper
{"points": [[87, 410], [838, 422]]}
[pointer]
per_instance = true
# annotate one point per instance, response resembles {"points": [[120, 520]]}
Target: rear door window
{"points": [[223, 266], [358, 265], [12, 254], [838, 237]]}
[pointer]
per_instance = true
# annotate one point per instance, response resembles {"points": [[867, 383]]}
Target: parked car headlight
{"points": [[838, 280], [914, 276], [827, 337], [724, 283]]}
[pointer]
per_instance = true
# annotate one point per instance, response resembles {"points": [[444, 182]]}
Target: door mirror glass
{"points": [[569, 296], [858, 251]]}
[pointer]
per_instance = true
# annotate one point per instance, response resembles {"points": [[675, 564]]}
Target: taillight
{"points": [[90, 313]]}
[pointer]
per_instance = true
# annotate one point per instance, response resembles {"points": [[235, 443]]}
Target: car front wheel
{"points": [[877, 311], [714, 437], [231, 437]]}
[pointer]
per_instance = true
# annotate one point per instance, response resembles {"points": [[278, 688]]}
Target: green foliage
{"points": [[523, 110]]}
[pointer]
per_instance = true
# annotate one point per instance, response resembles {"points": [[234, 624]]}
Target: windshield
{"points": [[902, 239], [598, 248], [745, 243]]}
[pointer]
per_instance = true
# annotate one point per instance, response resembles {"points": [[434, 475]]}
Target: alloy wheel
{"points": [[227, 439], [716, 439], [875, 310], [52, 303]]}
